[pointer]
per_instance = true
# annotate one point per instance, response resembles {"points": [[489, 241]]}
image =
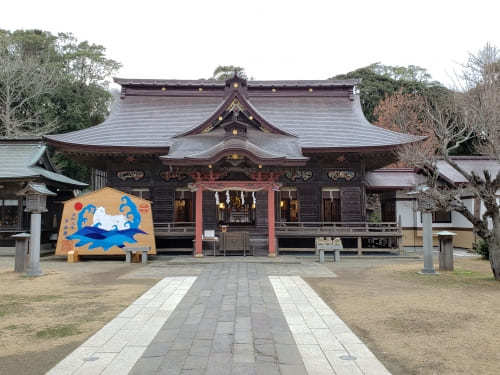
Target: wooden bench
{"points": [[135, 250]]}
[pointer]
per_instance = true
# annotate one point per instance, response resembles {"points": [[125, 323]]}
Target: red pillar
{"points": [[198, 248], [270, 222]]}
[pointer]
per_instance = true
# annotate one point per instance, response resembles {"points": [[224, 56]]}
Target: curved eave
{"points": [[282, 160], [361, 149], [79, 148], [220, 110]]}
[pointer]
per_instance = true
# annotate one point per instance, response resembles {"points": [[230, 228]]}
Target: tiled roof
{"points": [[23, 160], [403, 178], [145, 122], [327, 122], [261, 145], [319, 120], [395, 178], [469, 164]]}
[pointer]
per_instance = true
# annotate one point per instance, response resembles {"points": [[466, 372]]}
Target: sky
{"points": [[272, 39]]}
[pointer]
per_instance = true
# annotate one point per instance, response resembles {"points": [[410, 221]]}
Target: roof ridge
{"points": [[250, 83]]}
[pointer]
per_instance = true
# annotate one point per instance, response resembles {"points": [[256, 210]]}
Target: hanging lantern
{"points": [[217, 198], [228, 198], [242, 198]]}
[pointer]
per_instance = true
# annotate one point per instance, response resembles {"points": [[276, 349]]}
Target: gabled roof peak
{"points": [[235, 102]]}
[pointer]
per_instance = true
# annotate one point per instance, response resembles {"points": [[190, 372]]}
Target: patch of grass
{"points": [[58, 331], [460, 277], [22, 299], [460, 272], [12, 327], [9, 308]]}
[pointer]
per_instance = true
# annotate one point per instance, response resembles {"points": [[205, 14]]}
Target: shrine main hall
{"points": [[283, 162]]}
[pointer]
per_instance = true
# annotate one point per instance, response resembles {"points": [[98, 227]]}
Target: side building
{"points": [[25, 160], [393, 185]]}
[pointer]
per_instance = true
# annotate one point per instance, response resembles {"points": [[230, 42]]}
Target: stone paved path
{"points": [[233, 318], [230, 322]]}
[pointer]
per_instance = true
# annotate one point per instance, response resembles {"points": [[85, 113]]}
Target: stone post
{"points": [[198, 246], [427, 239], [36, 227], [21, 251], [446, 250]]}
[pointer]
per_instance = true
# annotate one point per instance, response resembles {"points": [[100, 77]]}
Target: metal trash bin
{"points": [[22, 257]]}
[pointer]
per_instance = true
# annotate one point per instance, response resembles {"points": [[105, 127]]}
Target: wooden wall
{"points": [[162, 192]]}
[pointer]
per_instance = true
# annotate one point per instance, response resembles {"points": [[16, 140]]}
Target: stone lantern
{"points": [[36, 203]]}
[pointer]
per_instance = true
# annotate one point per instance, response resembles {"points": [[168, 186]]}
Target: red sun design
{"points": [[78, 206]]}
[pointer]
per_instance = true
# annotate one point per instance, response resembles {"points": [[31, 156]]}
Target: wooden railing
{"points": [[338, 228], [174, 228]]}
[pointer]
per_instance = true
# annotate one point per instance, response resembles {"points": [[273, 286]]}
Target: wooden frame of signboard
{"points": [[104, 221]]}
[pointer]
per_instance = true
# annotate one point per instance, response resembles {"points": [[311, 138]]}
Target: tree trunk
{"points": [[494, 248]]}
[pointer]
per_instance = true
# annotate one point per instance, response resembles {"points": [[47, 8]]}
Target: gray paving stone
{"points": [[166, 335], [146, 366], [293, 370], [193, 371], [222, 343], [267, 369], [288, 354], [156, 349], [243, 369], [173, 362], [201, 347], [195, 362], [224, 328]]}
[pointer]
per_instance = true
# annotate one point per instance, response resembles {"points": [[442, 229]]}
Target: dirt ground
{"points": [[43, 319], [415, 324]]}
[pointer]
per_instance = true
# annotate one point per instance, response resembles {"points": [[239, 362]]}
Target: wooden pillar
{"points": [[198, 247], [270, 222]]}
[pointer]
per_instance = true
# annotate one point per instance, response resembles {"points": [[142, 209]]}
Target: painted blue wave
{"points": [[98, 237], [81, 216], [133, 215]]}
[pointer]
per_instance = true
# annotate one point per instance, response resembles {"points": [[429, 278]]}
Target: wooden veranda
{"points": [[369, 236]]}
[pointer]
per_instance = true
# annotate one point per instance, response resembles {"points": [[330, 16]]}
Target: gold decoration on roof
{"points": [[235, 105]]}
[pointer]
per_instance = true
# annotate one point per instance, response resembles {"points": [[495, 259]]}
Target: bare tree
{"points": [[24, 82], [469, 114]]}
